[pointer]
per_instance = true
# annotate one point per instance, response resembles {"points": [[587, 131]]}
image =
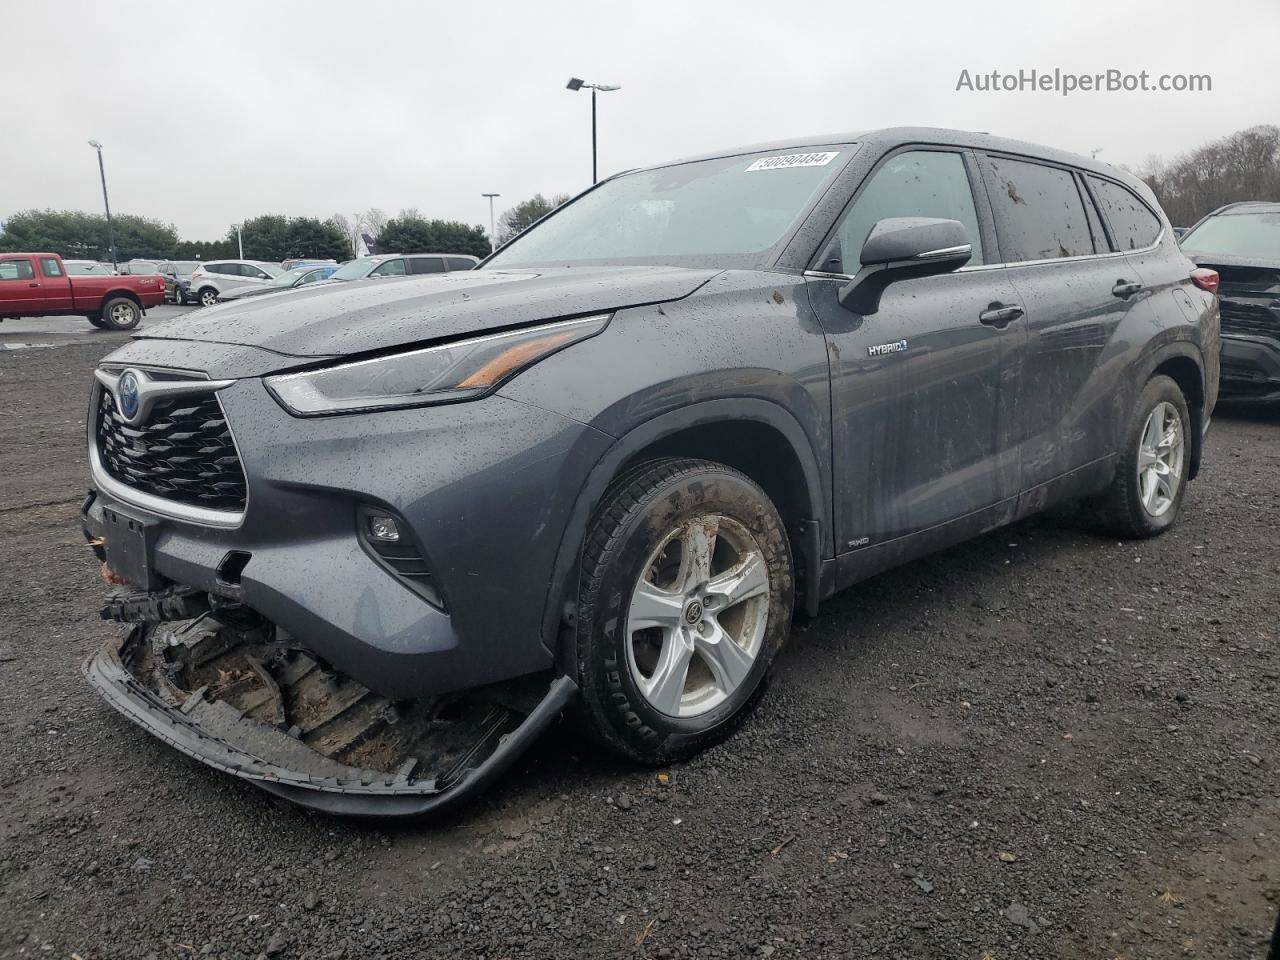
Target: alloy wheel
{"points": [[1161, 450], [208, 298], [698, 616]]}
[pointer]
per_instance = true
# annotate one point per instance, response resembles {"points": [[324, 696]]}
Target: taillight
{"points": [[1205, 279]]}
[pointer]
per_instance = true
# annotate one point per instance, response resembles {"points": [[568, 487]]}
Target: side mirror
{"points": [[901, 247]]}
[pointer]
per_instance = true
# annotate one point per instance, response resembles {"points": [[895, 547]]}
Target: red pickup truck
{"points": [[37, 285]]}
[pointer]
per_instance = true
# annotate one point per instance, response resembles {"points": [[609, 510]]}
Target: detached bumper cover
{"points": [[1250, 367], [217, 735]]}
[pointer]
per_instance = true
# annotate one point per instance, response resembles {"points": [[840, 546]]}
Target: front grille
{"points": [[1249, 318], [184, 452]]}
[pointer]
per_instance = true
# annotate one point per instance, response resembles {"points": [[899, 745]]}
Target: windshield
{"points": [[1252, 235], [733, 209], [355, 269], [290, 277]]}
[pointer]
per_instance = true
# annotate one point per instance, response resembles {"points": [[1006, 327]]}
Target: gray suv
{"points": [[372, 538], [209, 281]]}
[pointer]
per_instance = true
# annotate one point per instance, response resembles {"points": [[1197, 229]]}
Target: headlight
{"points": [[456, 371]]}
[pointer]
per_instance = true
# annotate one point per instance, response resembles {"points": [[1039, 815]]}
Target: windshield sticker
{"points": [[793, 160]]}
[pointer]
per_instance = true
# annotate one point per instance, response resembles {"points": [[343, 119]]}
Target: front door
{"points": [[919, 432], [20, 290]]}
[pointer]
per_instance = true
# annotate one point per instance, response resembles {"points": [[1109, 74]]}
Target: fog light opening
{"points": [[383, 529]]}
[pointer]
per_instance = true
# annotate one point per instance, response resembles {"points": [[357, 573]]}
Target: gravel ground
{"points": [[1040, 744]]}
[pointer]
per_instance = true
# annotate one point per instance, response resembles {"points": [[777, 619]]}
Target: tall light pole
{"points": [[111, 234], [576, 84], [239, 240], [493, 235]]}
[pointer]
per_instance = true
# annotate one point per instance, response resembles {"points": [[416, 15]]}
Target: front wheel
{"points": [[1151, 473], [685, 597], [121, 313], [208, 297]]}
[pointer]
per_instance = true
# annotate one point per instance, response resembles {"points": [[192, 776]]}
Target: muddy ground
{"points": [[1040, 744]]}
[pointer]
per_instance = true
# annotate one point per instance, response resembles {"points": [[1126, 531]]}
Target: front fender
{"points": [[650, 432]]}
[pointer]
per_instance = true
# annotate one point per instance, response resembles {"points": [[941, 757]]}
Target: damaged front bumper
{"points": [[241, 698]]}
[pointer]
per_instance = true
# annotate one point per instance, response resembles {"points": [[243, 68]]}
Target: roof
{"points": [[941, 136], [1247, 206]]}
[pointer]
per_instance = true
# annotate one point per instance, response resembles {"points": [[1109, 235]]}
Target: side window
{"points": [[460, 263], [1132, 223], [426, 265], [1038, 211], [16, 270], [219, 268], [311, 277], [50, 267], [392, 268], [1100, 244], [918, 183]]}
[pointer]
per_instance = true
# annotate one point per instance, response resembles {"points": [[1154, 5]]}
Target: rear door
{"points": [[56, 285], [21, 292], [917, 431], [1059, 260]]}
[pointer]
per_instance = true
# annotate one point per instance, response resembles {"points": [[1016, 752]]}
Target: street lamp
{"points": [[576, 84], [239, 239], [111, 236], [493, 236]]}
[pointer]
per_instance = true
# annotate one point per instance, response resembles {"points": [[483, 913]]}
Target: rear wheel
{"points": [[121, 313], [686, 595], [1151, 474], [207, 297]]}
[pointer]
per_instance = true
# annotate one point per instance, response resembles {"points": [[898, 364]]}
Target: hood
{"points": [[326, 320]]}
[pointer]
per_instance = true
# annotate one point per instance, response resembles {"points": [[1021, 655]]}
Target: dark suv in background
{"points": [[1241, 241], [374, 537]]}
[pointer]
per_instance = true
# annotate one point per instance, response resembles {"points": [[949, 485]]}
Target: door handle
{"points": [[999, 316], [1124, 289], [33, 284]]}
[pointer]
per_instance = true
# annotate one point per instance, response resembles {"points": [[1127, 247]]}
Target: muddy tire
{"points": [[685, 597], [121, 313], [1151, 472]]}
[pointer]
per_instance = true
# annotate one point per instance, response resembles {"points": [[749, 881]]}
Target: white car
{"points": [[211, 280]]}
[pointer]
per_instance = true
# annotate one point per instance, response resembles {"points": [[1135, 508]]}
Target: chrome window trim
{"points": [[226, 519], [1109, 255]]}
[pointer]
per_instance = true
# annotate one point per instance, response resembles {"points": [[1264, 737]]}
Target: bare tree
{"points": [[351, 229], [375, 220], [1243, 166]]}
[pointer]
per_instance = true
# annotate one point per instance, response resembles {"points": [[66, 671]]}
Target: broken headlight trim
{"points": [[462, 370]]}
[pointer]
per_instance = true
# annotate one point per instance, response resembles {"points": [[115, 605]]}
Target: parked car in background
{"points": [[177, 278], [211, 280], [304, 262], [289, 280], [609, 465], [1241, 241], [400, 265], [88, 268], [141, 268], [39, 285]]}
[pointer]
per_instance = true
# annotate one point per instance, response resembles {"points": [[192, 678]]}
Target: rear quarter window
{"points": [[460, 263], [1038, 211], [1132, 223]]}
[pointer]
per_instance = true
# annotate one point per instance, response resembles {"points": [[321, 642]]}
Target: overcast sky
{"points": [[214, 112]]}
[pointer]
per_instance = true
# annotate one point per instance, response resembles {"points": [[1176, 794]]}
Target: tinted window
{"points": [[226, 269], [50, 267], [1039, 215], [426, 265], [16, 270], [392, 268], [919, 183], [1133, 225], [1100, 244], [1255, 235], [460, 263]]}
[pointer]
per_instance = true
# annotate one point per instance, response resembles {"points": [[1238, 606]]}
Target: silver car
{"points": [[211, 280], [399, 265]]}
